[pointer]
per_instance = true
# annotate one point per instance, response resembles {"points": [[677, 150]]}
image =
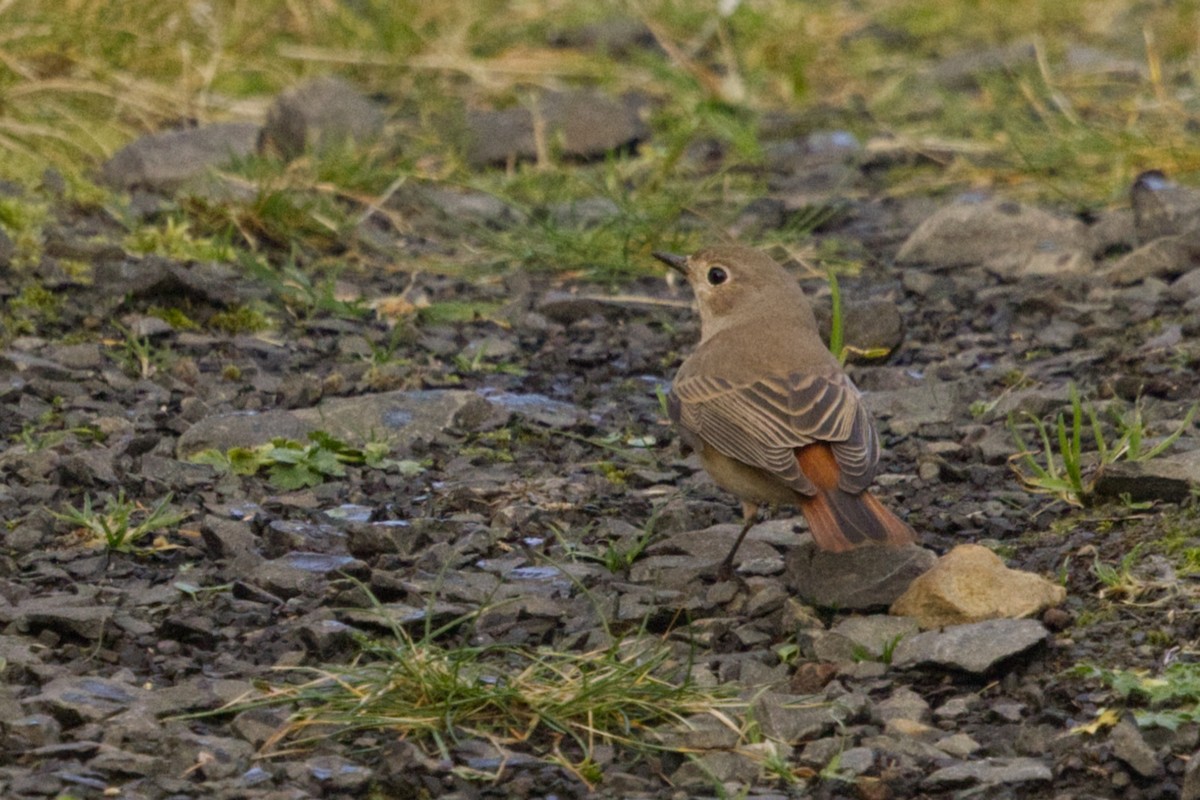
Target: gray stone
{"points": [[197, 693], [164, 161], [77, 356], [795, 718], [1186, 287], [287, 580], [1170, 479], [875, 633], [856, 761], [989, 772], [66, 614], [1112, 229], [905, 410], [959, 745], [34, 730], [720, 766], [820, 752], [322, 113], [976, 647], [903, 704], [1191, 779], [1129, 746], [402, 417], [471, 206], [963, 69], [699, 732], [155, 278], [956, 707], [1162, 207], [537, 408], [1168, 257], [1007, 238], [124, 763], [872, 325], [905, 747], [583, 124], [868, 577], [675, 562], [589, 212], [73, 699]]}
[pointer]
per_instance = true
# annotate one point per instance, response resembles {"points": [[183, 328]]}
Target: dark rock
{"points": [[1169, 479], [159, 279], [322, 113], [976, 647], [165, 161], [865, 578]]}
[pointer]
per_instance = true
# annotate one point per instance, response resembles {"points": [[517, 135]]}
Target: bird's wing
{"points": [[763, 423]]}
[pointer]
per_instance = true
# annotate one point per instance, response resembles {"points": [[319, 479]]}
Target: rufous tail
{"points": [[841, 520]]}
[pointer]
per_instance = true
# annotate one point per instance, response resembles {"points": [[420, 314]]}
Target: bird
{"points": [[772, 415]]}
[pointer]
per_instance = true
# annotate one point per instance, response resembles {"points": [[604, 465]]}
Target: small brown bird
{"points": [[772, 415]]}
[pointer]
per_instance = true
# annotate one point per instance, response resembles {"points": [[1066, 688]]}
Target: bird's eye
{"points": [[717, 276]]}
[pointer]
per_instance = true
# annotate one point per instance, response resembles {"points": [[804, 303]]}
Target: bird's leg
{"points": [[750, 517]]}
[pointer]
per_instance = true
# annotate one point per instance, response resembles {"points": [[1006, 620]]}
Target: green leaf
{"points": [[247, 461]]}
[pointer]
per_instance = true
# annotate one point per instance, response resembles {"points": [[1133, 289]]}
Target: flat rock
{"points": [[165, 161], [858, 636], [1169, 479], [65, 614], [88, 698], [156, 278], [1009, 239], [583, 124], [930, 403], [402, 417], [989, 771], [795, 718], [869, 577], [976, 647], [971, 584], [721, 766], [1167, 257], [319, 114]]}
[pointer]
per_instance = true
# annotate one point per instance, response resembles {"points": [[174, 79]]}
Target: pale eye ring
{"points": [[717, 276]]}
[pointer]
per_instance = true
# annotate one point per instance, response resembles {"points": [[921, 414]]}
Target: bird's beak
{"points": [[677, 263]]}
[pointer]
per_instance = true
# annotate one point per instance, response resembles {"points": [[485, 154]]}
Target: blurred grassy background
{"points": [[1062, 100]]}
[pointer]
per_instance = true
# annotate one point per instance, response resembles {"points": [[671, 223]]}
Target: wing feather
{"points": [[764, 422]]}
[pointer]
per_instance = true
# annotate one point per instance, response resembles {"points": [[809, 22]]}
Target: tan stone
{"points": [[971, 584]]}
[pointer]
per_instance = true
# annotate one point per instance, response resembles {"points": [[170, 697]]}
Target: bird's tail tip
{"points": [[840, 521]]}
